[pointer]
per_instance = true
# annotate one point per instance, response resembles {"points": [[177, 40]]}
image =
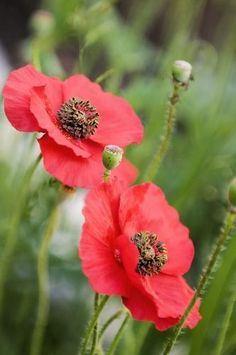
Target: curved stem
{"points": [[11, 238], [43, 284], [109, 321], [158, 157], [104, 75], [95, 329], [204, 278], [225, 324], [118, 336], [91, 325]]}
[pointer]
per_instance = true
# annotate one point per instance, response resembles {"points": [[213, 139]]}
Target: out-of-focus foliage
{"points": [[133, 43]]}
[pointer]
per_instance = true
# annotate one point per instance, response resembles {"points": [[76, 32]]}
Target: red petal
{"points": [[118, 124], [45, 102], [96, 249], [101, 208], [68, 168], [140, 306], [165, 323], [144, 208], [73, 170], [143, 308], [98, 261], [16, 95], [140, 285], [129, 257], [173, 297], [165, 310], [126, 171]]}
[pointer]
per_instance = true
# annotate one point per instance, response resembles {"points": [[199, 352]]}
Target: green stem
{"points": [[106, 175], [95, 329], [204, 278], [158, 157], [91, 325], [109, 321], [225, 324], [11, 238], [104, 76], [43, 283], [141, 336], [117, 338], [36, 54]]}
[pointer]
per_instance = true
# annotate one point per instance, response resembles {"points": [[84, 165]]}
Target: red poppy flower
{"points": [[134, 245], [77, 118]]}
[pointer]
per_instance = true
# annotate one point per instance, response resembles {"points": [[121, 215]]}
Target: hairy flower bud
{"points": [[232, 192], [182, 71], [112, 156]]}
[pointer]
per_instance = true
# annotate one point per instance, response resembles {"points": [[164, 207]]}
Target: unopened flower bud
{"points": [[112, 156], [182, 71], [232, 192], [42, 22]]}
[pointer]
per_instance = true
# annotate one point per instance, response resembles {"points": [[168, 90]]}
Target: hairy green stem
{"points": [[118, 335], [204, 278], [91, 325], [158, 157], [95, 329], [43, 284], [109, 321], [11, 238], [226, 322]]}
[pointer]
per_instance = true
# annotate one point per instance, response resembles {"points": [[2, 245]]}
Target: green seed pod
{"points": [[182, 71], [112, 156], [232, 192]]}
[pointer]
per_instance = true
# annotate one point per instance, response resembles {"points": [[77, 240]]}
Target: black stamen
{"points": [[152, 253], [78, 118]]}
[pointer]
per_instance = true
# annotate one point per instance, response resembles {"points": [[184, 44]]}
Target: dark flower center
{"points": [[152, 253], [78, 118]]}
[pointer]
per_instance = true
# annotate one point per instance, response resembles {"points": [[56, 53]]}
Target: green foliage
{"points": [[136, 51]]}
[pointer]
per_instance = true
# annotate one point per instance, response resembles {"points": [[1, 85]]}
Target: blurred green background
{"points": [[130, 47]]}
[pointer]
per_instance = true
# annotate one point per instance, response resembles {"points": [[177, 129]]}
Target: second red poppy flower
{"points": [[134, 245]]}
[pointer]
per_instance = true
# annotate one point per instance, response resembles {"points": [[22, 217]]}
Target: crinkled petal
{"points": [[144, 208], [129, 256], [73, 170], [118, 123], [164, 304], [99, 264], [143, 308], [100, 211], [97, 251], [45, 102], [70, 169], [16, 93], [173, 297], [140, 306]]}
